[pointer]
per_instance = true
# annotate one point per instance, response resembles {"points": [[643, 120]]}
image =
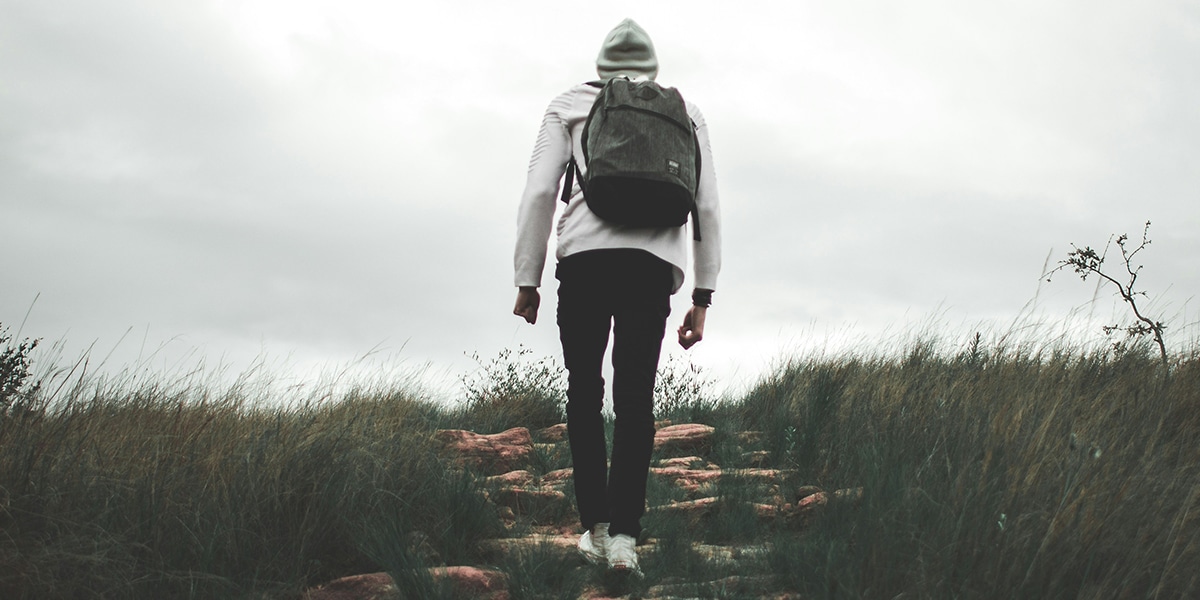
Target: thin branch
{"points": [[1086, 261]]}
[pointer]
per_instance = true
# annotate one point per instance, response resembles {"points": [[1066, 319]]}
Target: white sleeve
{"points": [[535, 218], [706, 253]]}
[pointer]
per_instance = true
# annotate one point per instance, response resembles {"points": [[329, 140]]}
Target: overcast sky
{"points": [[318, 181]]}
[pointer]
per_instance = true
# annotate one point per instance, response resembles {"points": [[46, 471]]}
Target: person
{"points": [[616, 279]]}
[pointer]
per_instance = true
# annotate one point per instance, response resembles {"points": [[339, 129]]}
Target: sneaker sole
{"points": [[625, 570], [591, 558]]}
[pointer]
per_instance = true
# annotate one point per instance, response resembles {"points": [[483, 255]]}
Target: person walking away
{"points": [[614, 279]]}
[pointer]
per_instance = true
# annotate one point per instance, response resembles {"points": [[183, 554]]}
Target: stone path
{"points": [[528, 483]]}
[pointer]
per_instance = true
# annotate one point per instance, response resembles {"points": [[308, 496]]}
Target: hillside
{"points": [[984, 472]]}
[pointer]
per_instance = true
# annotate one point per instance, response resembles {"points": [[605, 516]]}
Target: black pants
{"points": [[627, 292]]}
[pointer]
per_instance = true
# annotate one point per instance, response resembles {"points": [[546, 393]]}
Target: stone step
{"points": [[566, 545], [690, 478], [734, 586], [806, 503], [524, 501], [530, 494], [733, 556], [460, 581], [488, 454], [684, 439], [562, 545], [516, 448], [491, 583], [552, 434]]}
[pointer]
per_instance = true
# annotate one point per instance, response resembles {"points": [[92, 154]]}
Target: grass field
{"points": [[989, 471]]}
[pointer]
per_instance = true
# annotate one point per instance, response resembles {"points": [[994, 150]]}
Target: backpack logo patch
{"points": [[673, 167]]}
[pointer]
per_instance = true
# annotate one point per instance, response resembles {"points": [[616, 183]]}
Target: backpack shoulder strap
{"points": [[569, 180], [695, 207], [572, 165]]}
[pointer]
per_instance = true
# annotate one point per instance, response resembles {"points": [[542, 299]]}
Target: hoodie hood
{"points": [[627, 51]]}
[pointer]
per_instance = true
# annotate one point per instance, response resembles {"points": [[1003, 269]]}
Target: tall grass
{"points": [[1003, 471], [992, 473], [121, 489]]}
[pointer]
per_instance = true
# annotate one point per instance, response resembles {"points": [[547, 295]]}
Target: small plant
{"points": [[974, 355], [1086, 261], [681, 388], [673, 551], [466, 517], [543, 572], [514, 390], [14, 370], [791, 440], [734, 518], [392, 547]]}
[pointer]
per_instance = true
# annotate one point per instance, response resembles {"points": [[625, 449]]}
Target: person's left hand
{"points": [[692, 330]]}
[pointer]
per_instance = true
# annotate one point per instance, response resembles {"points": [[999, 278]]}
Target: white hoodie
{"points": [[579, 229]]}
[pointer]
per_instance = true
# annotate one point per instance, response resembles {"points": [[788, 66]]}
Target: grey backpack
{"points": [[642, 157]]}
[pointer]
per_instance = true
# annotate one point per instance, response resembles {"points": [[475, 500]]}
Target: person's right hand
{"points": [[528, 301]]}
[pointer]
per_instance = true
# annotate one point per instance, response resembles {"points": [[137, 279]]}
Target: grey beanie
{"points": [[627, 51]]}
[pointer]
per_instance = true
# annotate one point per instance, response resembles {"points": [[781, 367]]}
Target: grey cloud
{"points": [[152, 175]]}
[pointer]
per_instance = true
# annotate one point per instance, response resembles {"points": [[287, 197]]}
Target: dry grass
{"points": [[990, 472], [997, 473], [140, 490]]}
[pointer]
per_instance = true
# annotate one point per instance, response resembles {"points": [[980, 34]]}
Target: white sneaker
{"points": [[622, 554], [593, 545]]}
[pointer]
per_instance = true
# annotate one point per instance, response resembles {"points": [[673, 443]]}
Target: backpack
{"points": [[642, 157]]}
